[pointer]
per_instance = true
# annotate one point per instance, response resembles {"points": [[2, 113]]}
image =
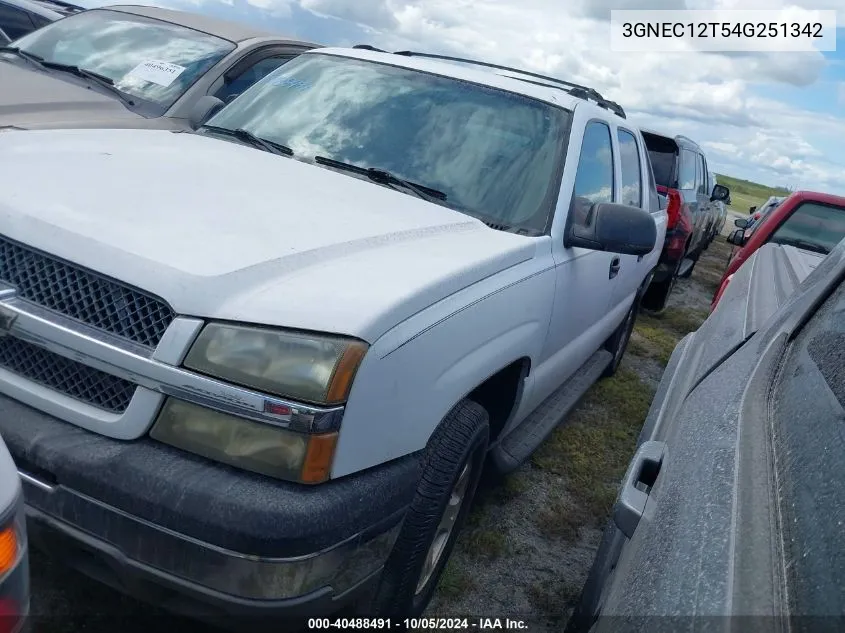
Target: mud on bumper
{"points": [[199, 538]]}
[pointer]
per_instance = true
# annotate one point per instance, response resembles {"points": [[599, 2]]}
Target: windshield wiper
{"points": [[102, 80], [384, 177], [16, 50], [803, 244], [256, 141]]}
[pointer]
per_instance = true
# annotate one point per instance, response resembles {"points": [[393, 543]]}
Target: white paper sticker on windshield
{"points": [[161, 73]]}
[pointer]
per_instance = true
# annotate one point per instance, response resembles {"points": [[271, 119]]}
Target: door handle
{"points": [[641, 476], [615, 265]]}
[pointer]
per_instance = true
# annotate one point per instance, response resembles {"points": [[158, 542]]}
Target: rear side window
{"points": [[812, 226], [14, 22], [702, 175], [629, 160], [594, 178], [687, 169]]}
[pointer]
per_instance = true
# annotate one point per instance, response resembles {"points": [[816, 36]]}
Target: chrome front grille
{"points": [[83, 294], [73, 379]]}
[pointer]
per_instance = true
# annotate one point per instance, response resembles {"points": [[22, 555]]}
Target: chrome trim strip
{"points": [[254, 577], [177, 340], [123, 359], [36, 482]]}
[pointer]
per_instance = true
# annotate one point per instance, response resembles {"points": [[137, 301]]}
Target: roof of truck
{"points": [[510, 80]]}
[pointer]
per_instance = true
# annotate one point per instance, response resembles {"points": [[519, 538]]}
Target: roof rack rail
{"points": [[367, 47], [576, 90]]}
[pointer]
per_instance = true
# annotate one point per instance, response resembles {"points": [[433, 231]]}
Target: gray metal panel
{"points": [[232, 31], [710, 542]]}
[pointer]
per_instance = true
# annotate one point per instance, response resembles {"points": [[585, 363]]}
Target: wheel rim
{"points": [[445, 527]]}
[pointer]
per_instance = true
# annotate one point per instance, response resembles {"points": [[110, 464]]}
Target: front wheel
{"points": [[451, 468]]}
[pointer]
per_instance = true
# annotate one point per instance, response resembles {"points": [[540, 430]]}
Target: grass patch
{"points": [[484, 543], [511, 487], [592, 451], [553, 598], [652, 339], [455, 581], [656, 336], [683, 320], [562, 519], [745, 193]]}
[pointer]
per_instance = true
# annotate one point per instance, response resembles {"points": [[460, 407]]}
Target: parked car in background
{"points": [[133, 66], [238, 421], [20, 17], [681, 174], [806, 219], [735, 498], [756, 214], [14, 565]]}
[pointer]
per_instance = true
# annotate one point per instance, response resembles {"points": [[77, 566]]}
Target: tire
{"points": [[457, 449], [688, 273], [657, 294], [618, 341]]}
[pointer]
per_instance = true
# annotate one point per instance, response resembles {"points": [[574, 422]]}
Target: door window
{"points": [[594, 177], [687, 170], [629, 160], [14, 22], [250, 75], [702, 179]]}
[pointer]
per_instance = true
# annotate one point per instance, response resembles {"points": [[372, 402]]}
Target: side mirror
{"points": [[203, 110], [752, 209], [616, 228], [741, 223], [720, 193], [737, 238]]}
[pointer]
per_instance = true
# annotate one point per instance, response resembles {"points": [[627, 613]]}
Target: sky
{"points": [[774, 118]]}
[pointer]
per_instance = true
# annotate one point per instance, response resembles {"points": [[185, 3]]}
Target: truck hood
{"points": [[36, 100], [222, 230]]}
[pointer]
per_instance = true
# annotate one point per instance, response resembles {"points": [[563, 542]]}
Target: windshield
{"points": [[148, 59], [494, 154], [812, 226]]}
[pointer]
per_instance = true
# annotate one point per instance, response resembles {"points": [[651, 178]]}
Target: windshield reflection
{"points": [[493, 153], [148, 59]]}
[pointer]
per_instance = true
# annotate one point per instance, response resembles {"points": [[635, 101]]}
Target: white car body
{"points": [[222, 231], [138, 243]]}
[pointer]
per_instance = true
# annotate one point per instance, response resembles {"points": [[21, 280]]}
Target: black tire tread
{"points": [[447, 451]]}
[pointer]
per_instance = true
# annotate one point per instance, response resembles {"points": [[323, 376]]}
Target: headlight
{"points": [[261, 448], [307, 367]]}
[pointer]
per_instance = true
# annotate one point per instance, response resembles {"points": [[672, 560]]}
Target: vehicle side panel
{"points": [[415, 373]]}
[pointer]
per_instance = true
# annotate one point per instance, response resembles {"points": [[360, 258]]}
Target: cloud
{"points": [[372, 14], [710, 97]]}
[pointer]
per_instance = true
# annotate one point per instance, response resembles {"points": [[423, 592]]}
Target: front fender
{"points": [[413, 376]]}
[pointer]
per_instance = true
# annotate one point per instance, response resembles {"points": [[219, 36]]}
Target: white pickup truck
{"points": [[255, 370]]}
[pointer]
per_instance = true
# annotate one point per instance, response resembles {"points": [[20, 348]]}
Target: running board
{"points": [[686, 264], [518, 445]]}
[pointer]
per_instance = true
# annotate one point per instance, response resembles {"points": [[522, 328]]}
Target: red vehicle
{"points": [[807, 220]]}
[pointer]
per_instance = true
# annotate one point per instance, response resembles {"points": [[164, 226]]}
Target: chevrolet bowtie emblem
{"points": [[7, 319]]}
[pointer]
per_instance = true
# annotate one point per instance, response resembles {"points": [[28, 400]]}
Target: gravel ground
{"points": [[530, 541]]}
